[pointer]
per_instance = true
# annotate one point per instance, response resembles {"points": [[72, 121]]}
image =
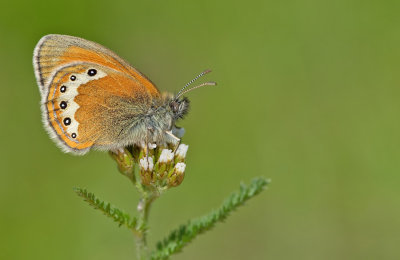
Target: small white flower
{"points": [[166, 156], [182, 150], [180, 168], [152, 146], [146, 163]]}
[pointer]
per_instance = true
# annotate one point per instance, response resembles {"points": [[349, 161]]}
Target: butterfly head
{"points": [[179, 107]]}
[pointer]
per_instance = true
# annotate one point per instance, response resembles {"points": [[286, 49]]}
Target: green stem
{"points": [[147, 198]]}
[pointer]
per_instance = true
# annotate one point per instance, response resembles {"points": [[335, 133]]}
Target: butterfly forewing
{"points": [[55, 50]]}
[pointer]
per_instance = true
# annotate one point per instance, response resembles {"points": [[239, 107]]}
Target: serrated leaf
{"points": [[184, 234], [116, 214]]}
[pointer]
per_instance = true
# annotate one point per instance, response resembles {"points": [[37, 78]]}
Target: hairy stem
{"points": [[147, 198]]}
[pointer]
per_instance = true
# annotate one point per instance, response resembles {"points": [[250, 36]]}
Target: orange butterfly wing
{"points": [[82, 110]]}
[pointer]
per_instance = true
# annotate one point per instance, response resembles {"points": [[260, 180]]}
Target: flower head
{"points": [[158, 165]]}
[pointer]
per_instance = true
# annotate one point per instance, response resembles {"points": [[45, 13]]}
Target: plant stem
{"points": [[147, 198]]}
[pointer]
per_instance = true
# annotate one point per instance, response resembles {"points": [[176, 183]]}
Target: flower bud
{"points": [[124, 160], [176, 176], [146, 168], [166, 156], [146, 164], [180, 153]]}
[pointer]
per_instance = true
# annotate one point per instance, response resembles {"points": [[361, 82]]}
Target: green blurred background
{"points": [[308, 96]]}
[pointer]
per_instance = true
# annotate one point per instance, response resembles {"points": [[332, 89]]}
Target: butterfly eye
{"points": [[73, 77], [174, 106], [92, 72], [63, 89]]}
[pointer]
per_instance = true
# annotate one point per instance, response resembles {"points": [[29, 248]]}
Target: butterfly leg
{"points": [[147, 145], [178, 140], [150, 130]]}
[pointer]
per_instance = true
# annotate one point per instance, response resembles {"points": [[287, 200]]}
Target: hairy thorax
{"points": [[153, 126]]}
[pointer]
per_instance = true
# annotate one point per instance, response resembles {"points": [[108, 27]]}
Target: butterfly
{"points": [[93, 99]]}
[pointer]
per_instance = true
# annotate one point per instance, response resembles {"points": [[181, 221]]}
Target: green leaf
{"points": [[117, 215], [183, 235]]}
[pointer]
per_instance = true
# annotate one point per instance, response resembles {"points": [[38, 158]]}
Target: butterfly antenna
{"points": [[210, 83], [190, 82]]}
